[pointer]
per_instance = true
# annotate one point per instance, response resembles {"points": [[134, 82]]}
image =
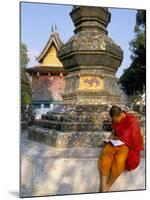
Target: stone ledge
{"points": [[49, 171]]}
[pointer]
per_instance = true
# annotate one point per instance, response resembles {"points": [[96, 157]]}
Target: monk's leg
{"points": [[118, 164], [105, 164], [104, 183]]}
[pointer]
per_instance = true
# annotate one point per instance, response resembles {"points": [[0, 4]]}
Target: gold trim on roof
{"points": [[54, 38]]}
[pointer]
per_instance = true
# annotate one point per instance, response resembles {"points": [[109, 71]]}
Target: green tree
{"points": [[24, 60], [133, 80], [25, 83]]}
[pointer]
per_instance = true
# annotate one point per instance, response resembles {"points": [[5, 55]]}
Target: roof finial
{"points": [[55, 28], [52, 29]]}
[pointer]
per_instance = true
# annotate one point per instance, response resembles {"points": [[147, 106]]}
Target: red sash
{"points": [[128, 131]]}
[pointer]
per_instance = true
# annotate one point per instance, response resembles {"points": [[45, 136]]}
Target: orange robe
{"points": [[112, 160]]}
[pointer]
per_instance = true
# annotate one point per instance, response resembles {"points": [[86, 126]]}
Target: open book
{"points": [[113, 142]]}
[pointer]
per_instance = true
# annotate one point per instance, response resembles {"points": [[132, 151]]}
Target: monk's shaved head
{"points": [[115, 111]]}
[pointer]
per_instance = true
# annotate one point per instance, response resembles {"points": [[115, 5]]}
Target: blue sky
{"points": [[36, 20]]}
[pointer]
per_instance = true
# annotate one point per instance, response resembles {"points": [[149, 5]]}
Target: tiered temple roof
{"points": [[48, 60]]}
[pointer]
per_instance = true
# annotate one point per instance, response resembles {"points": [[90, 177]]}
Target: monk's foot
{"points": [[104, 189]]}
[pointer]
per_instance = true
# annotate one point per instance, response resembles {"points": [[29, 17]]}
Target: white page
{"points": [[114, 142]]}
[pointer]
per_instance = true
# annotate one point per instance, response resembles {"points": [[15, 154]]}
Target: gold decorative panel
{"points": [[94, 83]]}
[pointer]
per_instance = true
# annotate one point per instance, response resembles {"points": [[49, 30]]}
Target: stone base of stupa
{"points": [[72, 126]]}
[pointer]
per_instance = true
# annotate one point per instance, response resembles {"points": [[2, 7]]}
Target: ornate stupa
{"points": [[91, 60]]}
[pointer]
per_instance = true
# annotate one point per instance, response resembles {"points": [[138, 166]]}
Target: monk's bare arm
{"points": [[111, 135]]}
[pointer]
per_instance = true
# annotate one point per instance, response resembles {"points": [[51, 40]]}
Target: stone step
{"points": [[64, 139], [68, 126]]}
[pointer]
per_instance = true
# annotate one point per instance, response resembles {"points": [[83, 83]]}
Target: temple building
{"points": [[48, 76]]}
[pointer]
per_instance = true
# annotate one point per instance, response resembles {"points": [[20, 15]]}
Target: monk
{"points": [[126, 156]]}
